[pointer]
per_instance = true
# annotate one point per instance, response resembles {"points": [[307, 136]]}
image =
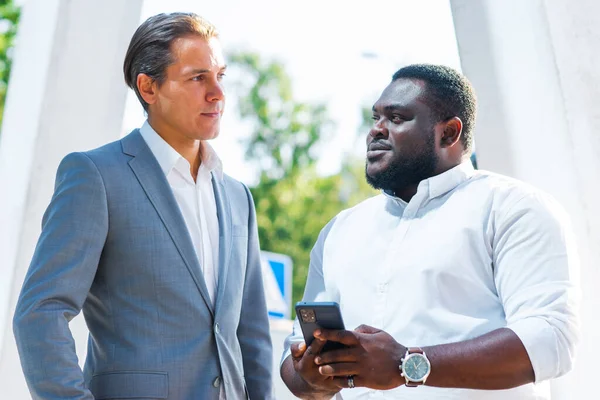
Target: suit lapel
{"points": [[155, 185], [225, 232]]}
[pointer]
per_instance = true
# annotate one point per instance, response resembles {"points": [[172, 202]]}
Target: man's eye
{"points": [[375, 117], [397, 119], [198, 78], [221, 76]]}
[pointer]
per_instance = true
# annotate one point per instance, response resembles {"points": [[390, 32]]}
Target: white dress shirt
{"points": [[196, 200], [470, 253]]}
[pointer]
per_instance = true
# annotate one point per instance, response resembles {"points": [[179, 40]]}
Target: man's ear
{"points": [[452, 132], [147, 88]]}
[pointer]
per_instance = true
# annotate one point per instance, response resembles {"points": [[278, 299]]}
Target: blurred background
{"points": [[302, 78]]}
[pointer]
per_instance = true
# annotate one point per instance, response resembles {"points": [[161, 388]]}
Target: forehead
{"points": [[198, 52], [408, 93]]}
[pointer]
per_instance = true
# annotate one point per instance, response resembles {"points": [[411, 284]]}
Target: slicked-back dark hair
{"points": [[149, 51], [448, 93]]}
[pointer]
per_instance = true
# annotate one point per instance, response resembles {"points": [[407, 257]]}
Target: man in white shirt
{"points": [[459, 284], [155, 244]]}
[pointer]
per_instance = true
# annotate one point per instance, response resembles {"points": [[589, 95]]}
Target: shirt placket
{"points": [[390, 267], [207, 267], [381, 314]]}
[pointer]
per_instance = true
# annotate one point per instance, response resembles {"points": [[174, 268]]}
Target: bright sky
{"points": [[323, 43]]}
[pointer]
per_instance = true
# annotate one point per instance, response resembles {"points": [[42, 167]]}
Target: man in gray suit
{"points": [[155, 244]]}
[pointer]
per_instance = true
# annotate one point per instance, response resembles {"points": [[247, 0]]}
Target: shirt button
{"points": [[217, 329], [217, 382], [381, 287]]}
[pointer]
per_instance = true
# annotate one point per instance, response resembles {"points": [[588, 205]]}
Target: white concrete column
{"points": [[66, 93], [534, 65]]}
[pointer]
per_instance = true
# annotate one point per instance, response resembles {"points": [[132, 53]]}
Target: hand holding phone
{"points": [[315, 315]]}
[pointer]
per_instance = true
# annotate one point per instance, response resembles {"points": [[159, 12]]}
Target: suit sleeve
{"points": [[74, 229], [253, 331]]}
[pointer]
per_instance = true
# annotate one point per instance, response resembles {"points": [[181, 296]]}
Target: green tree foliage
{"points": [[9, 18], [293, 202]]}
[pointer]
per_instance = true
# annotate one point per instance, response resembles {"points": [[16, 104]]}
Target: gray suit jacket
{"points": [[114, 244]]}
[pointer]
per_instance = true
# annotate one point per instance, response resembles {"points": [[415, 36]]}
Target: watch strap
{"points": [[412, 350]]}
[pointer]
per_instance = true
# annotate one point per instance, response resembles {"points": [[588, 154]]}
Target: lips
{"points": [[378, 146], [375, 150], [212, 114]]}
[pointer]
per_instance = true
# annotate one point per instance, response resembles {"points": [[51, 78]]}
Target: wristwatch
{"points": [[415, 367]]}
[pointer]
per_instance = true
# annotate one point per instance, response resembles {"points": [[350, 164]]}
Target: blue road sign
{"points": [[277, 277]]}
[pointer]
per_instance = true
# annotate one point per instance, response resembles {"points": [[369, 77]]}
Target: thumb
{"points": [[298, 349]]}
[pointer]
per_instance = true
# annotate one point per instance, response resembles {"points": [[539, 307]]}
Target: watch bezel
{"points": [[413, 355]]}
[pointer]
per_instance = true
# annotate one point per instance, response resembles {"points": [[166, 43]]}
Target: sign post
{"points": [[277, 277]]}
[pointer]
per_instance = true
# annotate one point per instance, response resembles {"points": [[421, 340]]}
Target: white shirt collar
{"points": [[443, 183], [168, 158]]}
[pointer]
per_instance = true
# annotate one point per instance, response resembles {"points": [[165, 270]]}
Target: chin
{"points": [[212, 136], [205, 135], [374, 169]]}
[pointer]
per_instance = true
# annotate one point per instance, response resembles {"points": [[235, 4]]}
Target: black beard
{"points": [[406, 171]]}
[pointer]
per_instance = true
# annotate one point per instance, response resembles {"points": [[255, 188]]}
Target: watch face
{"points": [[416, 367]]}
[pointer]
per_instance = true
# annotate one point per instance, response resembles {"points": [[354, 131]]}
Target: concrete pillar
{"points": [[66, 93], [534, 65]]}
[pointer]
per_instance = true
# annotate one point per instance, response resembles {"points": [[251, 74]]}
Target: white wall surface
{"points": [[535, 66], [66, 93]]}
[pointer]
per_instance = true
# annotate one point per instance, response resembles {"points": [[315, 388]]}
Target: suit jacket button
{"points": [[217, 382], [217, 328]]}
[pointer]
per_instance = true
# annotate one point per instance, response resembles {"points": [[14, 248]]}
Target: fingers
{"points": [[339, 369], [342, 382], [367, 329], [348, 338], [315, 347], [336, 356]]}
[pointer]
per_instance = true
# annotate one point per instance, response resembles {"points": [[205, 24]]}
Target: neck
{"points": [[406, 193], [190, 149], [446, 166]]}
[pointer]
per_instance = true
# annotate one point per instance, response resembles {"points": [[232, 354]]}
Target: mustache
{"points": [[378, 144]]}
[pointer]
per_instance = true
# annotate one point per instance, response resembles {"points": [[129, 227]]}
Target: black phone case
{"points": [[327, 316]]}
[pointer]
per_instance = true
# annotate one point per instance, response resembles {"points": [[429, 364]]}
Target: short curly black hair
{"points": [[448, 93]]}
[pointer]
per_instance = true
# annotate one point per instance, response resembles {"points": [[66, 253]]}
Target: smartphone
{"points": [[314, 315]]}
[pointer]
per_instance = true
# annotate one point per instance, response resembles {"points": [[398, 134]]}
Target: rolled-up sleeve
{"points": [[537, 277]]}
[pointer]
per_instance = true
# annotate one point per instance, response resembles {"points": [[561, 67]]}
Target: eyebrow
{"points": [[204, 70], [392, 107]]}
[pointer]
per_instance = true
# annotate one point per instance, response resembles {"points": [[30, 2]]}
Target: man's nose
{"points": [[216, 93], [378, 129]]}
